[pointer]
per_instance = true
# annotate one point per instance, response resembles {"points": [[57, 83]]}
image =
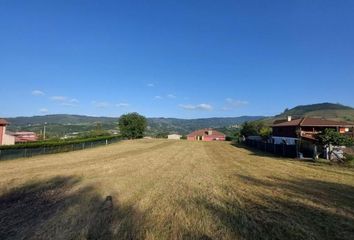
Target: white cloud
{"points": [[150, 85], [65, 101], [74, 100], [43, 110], [158, 97], [232, 104], [37, 93], [100, 104], [199, 107], [59, 98], [122, 104], [171, 96]]}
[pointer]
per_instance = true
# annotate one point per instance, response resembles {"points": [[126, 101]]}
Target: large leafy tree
{"points": [[132, 125], [256, 128], [331, 136]]}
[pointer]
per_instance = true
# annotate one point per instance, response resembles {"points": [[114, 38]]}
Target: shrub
{"points": [[132, 125]]}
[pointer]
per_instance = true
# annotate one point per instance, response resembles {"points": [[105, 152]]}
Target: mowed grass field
{"points": [[159, 189]]}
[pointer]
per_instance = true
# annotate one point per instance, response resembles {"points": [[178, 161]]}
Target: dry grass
{"points": [[152, 189]]}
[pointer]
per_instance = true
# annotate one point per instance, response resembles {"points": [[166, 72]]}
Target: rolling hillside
{"points": [[61, 124], [321, 110]]}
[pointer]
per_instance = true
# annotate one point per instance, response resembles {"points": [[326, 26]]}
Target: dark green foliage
{"points": [[232, 133], [132, 125], [161, 135], [186, 126], [331, 136], [59, 125], [56, 142], [348, 157], [256, 128]]}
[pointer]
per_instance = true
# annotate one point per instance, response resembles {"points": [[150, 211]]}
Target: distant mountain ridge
{"points": [[60, 124], [60, 119], [333, 111]]}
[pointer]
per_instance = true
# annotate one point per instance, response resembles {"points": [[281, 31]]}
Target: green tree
{"points": [[161, 135], [256, 128], [249, 129], [331, 136], [132, 125], [265, 132]]}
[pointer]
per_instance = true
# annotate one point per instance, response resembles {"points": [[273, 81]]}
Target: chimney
{"points": [[210, 132], [289, 118]]}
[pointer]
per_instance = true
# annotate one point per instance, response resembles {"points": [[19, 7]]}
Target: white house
{"points": [[174, 136]]}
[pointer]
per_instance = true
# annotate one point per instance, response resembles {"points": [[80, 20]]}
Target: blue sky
{"points": [[183, 59]]}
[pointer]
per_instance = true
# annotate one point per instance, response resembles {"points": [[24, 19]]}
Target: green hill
{"points": [[333, 111], [323, 110], [60, 124]]}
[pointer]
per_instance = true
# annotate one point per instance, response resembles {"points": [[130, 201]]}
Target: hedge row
{"points": [[51, 143]]}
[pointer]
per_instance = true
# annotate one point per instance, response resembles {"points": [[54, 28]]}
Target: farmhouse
{"points": [[307, 128], [22, 137], [207, 135], [5, 138], [174, 136]]}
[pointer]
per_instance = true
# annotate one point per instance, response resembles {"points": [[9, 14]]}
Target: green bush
{"points": [[54, 143], [349, 157], [132, 125]]}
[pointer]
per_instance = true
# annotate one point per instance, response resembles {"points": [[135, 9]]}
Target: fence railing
{"points": [[7, 154], [278, 149]]}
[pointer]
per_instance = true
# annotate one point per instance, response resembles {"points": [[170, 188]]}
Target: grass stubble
{"points": [[159, 189]]}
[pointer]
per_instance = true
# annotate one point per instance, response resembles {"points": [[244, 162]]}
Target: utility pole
{"points": [[44, 130]]}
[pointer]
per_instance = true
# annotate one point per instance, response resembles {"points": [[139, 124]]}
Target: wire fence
{"points": [[278, 149], [7, 154]]}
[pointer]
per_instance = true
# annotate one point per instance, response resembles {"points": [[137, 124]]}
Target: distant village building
{"points": [[306, 128], [5, 138], [23, 137], [174, 136], [207, 135]]}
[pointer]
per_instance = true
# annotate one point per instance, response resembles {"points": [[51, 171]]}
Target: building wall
{"points": [[174, 137], [8, 139], [190, 138], [2, 132], [207, 138], [284, 132]]}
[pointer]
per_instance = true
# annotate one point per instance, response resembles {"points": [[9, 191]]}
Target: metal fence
{"points": [[278, 149], [7, 154]]}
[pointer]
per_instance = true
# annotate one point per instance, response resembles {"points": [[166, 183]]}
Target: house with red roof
{"points": [[206, 135], [307, 128], [23, 137]]}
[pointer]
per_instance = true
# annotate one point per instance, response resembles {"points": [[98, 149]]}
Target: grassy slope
{"points": [[323, 110], [173, 190], [331, 111]]}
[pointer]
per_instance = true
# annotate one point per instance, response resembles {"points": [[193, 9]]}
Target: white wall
{"points": [[174, 136], [8, 139]]}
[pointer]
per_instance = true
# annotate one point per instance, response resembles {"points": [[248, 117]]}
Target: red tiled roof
{"points": [[3, 122], [202, 132], [309, 122]]}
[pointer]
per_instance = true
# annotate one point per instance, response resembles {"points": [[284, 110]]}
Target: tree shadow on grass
{"points": [[308, 209], [59, 209], [255, 151]]}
